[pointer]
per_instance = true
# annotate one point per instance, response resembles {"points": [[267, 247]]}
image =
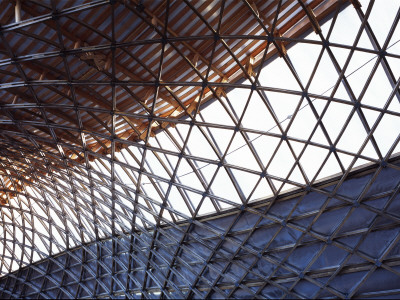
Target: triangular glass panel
{"points": [[246, 181], [340, 54], [264, 146], [297, 176], [178, 203], [222, 113], [239, 154], [272, 74], [394, 64], [221, 137], [379, 25], [371, 116], [282, 162], [284, 105], [303, 123], [312, 160], [194, 199], [199, 145], [395, 104], [318, 104], [237, 99], [325, 77], [206, 207], [331, 167], [320, 136], [393, 48], [379, 90], [353, 136], [257, 115], [346, 27], [206, 171], [187, 176], [387, 132], [224, 188], [262, 191], [304, 58]]}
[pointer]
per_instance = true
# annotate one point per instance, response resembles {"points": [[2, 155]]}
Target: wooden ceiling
{"points": [[83, 79]]}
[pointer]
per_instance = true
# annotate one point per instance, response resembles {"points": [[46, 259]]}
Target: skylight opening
{"points": [[296, 116]]}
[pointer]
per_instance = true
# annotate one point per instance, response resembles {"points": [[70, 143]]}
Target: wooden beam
{"points": [[174, 34]]}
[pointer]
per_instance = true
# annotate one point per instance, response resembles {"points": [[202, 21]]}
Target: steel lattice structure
{"points": [[217, 149]]}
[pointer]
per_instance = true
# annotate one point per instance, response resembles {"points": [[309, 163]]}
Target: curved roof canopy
{"points": [[126, 116]]}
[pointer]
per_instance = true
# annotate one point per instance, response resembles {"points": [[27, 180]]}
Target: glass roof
{"points": [[327, 106]]}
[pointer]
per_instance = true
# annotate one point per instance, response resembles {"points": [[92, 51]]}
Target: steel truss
{"points": [[101, 105]]}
